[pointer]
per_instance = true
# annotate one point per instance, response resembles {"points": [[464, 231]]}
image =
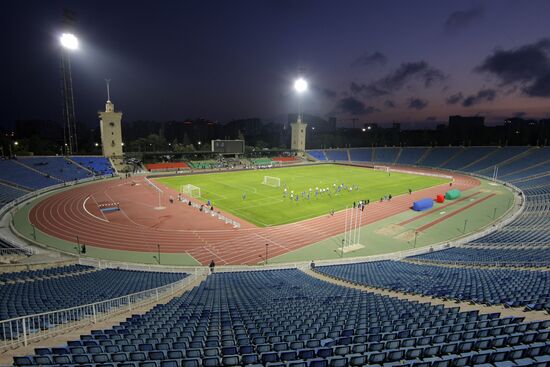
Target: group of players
{"points": [[318, 191]]}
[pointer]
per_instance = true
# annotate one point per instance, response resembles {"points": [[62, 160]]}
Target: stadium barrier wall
{"points": [[20, 331]]}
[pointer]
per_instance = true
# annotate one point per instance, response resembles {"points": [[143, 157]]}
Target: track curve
{"points": [[69, 214]]}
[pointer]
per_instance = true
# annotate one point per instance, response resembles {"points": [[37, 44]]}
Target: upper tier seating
{"points": [[489, 286], [286, 318], [57, 167], [18, 174], [101, 166]]}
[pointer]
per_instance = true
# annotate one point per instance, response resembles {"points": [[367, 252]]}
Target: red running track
{"points": [[178, 228]]}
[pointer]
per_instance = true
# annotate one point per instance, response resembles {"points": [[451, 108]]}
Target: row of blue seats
{"points": [[285, 317], [43, 295], [530, 257], [488, 286], [37, 274]]}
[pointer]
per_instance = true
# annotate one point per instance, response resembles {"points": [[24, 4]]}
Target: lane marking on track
{"points": [[95, 216]]}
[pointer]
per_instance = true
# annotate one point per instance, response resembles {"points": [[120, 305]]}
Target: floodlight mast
{"points": [[69, 43], [300, 86]]}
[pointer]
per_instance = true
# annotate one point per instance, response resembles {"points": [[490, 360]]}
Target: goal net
{"points": [[272, 181], [191, 190], [382, 168]]}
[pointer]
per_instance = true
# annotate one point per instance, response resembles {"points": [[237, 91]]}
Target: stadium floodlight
{"points": [[69, 41], [300, 85]]}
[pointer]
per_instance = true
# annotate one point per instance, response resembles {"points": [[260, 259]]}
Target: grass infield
{"points": [[243, 194]]}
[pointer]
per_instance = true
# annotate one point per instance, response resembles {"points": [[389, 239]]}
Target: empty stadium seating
{"points": [[286, 318], [72, 286], [487, 286], [9, 193], [58, 167], [337, 154], [529, 257], [317, 154], [18, 174], [100, 166]]}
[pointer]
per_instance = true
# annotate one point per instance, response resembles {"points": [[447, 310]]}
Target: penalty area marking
{"points": [[86, 210]]}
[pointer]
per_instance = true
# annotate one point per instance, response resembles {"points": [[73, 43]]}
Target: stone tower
{"points": [[111, 130], [298, 141]]}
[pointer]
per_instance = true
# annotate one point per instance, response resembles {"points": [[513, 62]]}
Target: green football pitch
{"points": [[243, 194]]}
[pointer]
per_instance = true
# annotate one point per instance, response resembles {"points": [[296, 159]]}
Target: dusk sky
{"points": [[414, 62]]}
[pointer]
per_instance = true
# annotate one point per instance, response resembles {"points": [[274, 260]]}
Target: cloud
{"points": [[527, 67], [325, 92], [370, 59], [389, 104], [461, 19], [418, 103], [455, 98], [520, 114], [353, 106], [431, 119], [396, 80], [369, 91], [484, 95]]}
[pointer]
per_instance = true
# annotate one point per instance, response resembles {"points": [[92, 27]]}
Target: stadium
{"points": [[228, 254]]}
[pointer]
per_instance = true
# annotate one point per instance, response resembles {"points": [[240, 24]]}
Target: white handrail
{"points": [[20, 330]]}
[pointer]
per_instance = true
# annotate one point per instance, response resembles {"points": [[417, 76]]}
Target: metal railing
{"points": [[24, 329]]}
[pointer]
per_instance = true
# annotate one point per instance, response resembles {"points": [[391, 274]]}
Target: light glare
{"points": [[69, 41], [300, 85]]}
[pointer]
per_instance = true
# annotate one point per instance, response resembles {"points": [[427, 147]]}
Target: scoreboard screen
{"points": [[228, 146]]}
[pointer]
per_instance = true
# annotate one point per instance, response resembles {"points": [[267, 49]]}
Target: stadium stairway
{"points": [[397, 156], [454, 156], [68, 159]]}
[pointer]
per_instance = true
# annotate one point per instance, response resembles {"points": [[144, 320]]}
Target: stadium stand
{"points": [[515, 168], [57, 167], [487, 286], [499, 156], [73, 286], [410, 156], [43, 273], [18, 174], [286, 318], [525, 257], [317, 154], [386, 155], [100, 166], [337, 154], [9, 193], [361, 154], [467, 157], [166, 166], [439, 155], [261, 161]]}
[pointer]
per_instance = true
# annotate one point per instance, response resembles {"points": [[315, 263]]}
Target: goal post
{"points": [[191, 190], [272, 181], [382, 168]]}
